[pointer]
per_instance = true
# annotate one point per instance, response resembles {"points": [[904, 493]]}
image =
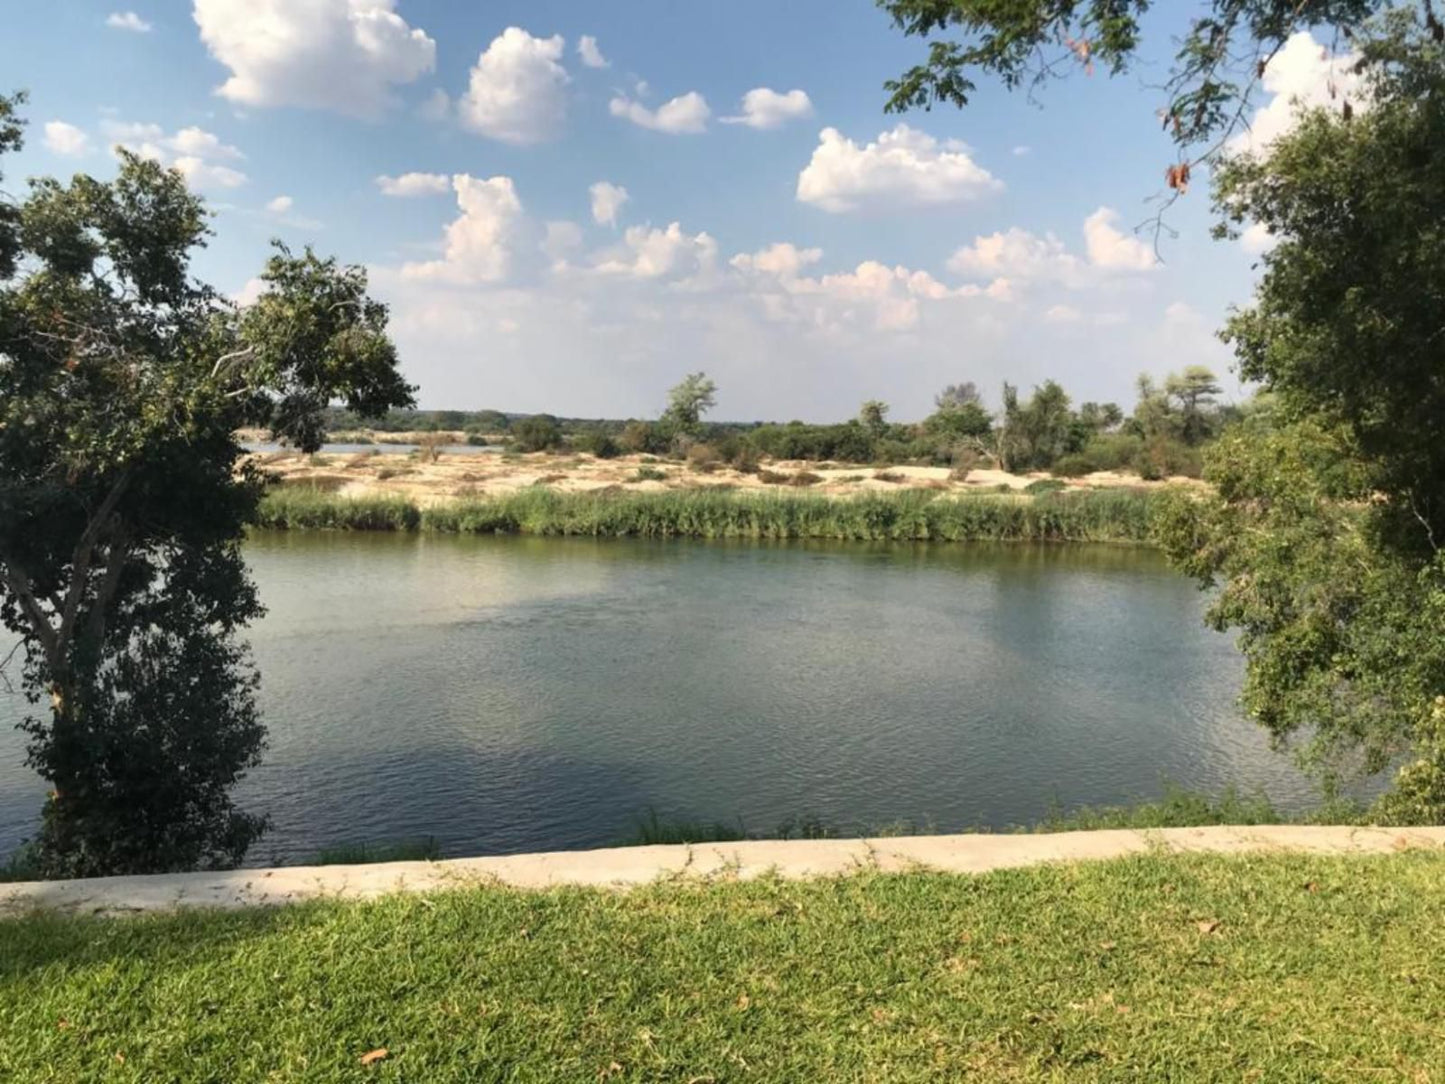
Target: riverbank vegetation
{"points": [[1172, 421], [1153, 967], [909, 515]]}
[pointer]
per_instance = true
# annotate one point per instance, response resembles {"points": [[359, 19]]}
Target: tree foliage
{"points": [[1025, 43], [122, 382], [1324, 537], [693, 397]]}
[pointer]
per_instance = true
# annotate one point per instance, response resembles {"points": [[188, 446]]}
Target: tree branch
{"points": [[19, 585], [80, 560]]}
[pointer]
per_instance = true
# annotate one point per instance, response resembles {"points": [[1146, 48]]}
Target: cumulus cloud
{"points": [[517, 92], [560, 240], [1018, 254], [65, 139], [686, 114], [280, 205], [127, 20], [1112, 249], [1304, 74], [591, 55], [781, 258], [414, 184], [764, 107], [345, 55], [607, 200], [198, 154], [480, 241], [1019, 257], [903, 167], [651, 253]]}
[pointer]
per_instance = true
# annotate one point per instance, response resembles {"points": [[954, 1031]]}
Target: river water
{"points": [[513, 694]]}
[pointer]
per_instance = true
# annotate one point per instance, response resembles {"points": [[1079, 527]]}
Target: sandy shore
{"points": [[458, 475]]}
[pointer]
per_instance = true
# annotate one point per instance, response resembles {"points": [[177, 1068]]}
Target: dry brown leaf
{"points": [[744, 1001], [1311, 886], [1208, 925], [1108, 946], [371, 1057]]}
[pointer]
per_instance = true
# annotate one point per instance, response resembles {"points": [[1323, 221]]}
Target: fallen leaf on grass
{"points": [[371, 1057], [1208, 925]]}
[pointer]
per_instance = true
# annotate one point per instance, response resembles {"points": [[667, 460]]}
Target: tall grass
{"points": [[904, 515], [308, 508]]}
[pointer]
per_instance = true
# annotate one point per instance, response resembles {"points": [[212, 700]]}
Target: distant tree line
{"points": [[1172, 420]]}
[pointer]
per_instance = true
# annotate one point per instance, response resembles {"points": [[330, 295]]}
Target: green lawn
{"points": [[1157, 968]]}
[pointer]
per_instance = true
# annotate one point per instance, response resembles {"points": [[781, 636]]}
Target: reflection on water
{"points": [[508, 694]]}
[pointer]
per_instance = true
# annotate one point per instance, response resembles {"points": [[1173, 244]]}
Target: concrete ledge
{"points": [[620, 867]]}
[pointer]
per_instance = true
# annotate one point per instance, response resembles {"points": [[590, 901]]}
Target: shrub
{"points": [[1073, 465], [539, 433], [476, 439], [805, 478], [772, 477], [599, 443], [647, 473], [703, 457], [1045, 485], [549, 479], [893, 477], [648, 437]]}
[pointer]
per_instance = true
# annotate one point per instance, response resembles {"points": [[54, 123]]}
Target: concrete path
{"points": [[624, 866]]}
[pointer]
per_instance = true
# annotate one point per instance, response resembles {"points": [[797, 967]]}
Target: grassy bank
{"points": [[907, 515], [1277, 968]]}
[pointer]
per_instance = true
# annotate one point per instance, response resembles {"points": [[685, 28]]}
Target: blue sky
{"points": [[821, 255]]}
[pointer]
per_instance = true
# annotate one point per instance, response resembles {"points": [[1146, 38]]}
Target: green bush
{"points": [[538, 433], [597, 442], [1044, 485], [647, 473]]}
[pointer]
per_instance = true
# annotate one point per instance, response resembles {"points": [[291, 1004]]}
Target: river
{"points": [[513, 694]]}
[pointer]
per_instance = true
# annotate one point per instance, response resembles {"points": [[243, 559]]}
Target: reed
{"points": [[902, 515]]}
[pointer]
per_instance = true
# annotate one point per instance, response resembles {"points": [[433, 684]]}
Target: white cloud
{"points": [[1021, 150], [904, 167], [1302, 75], [651, 253], [686, 114], [127, 20], [249, 293], [345, 55], [607, 200], [591, 55], [195, 152], [560, 241], [764, 107], [1018, 254], [1018, 257], [479, 242], [1257, 239], [280, 205], [1112, 249], [517, 92], [414, 184], [782, 259], [1063, 314], [437, 107], [65, 139]]}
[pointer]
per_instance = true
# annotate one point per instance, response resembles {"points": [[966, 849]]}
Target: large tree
{"points": [[123, 499]]}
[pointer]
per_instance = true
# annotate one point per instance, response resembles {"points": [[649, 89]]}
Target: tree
{"points": [[1324, 538], [1034, 434], [873, 416], [957, 395], [122, 500], [688, 402], [1196, 389], [536, 433]]}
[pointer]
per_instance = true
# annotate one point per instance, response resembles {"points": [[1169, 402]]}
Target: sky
{"points": [[570, 206]]}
